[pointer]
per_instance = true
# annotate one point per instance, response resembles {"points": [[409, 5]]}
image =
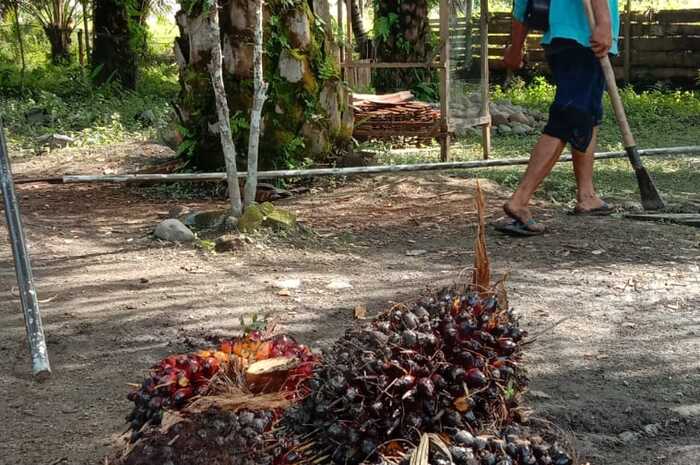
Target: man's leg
{"points": [[586, 196], [544, 156]]}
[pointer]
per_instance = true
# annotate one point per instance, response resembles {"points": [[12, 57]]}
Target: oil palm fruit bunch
{"points": [[176, 379], [449, 362], [214, 436]]}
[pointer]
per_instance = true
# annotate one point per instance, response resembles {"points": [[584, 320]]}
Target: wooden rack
{"points": [[443, 131]]}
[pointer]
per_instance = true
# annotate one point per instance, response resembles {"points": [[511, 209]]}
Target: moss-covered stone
{"points": [[265, 215]]}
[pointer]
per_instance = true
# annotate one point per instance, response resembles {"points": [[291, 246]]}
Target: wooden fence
{"points": [[664, 44]]}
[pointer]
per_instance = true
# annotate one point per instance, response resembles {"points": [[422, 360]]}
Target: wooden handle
{"points": [[613, 91]]}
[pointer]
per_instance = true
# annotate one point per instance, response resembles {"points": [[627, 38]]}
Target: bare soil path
{"points": [[115, 301]]}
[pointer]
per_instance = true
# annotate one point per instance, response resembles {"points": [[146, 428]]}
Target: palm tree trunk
{"points": [[59, 38], [20, 40], [113, 56], [364, 44]]}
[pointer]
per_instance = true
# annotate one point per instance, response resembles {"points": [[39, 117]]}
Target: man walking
{"points": [[572, 52]]}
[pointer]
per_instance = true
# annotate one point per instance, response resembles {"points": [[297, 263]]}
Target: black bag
{"points": [[537, 15]]}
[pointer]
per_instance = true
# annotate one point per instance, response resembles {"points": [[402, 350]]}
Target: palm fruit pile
{"points": [[448, 363], [176, 379], [212, 437]]}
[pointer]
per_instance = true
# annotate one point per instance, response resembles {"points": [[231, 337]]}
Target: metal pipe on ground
{"points": [[692, 150], [27, 292]]}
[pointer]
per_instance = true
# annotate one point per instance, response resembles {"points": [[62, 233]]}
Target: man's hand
{"points": [[601, 39], [513, 58]]}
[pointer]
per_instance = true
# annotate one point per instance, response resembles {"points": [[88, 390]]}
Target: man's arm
{"points": [[513, 55], [601, 36]]}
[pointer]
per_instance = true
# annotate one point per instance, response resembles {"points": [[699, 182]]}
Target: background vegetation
{"points": [[93, 115]]}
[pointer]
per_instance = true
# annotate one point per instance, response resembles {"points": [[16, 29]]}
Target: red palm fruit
{"points": [[264, 351], [475, 378], [194, 366], [210, 366], [170, 360], [222, 356], [183, 380], [182, 361], [226, 346], [181, 395]]}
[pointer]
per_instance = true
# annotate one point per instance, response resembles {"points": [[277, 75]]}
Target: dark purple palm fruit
{"points": [[464, 438], [475, 379], [506, 345], [409, 339], [559, 456], [409, 320], [426, 387]]}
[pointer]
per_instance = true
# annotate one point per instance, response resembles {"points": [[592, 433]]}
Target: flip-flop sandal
{"points": [[603, 210], [518, 228]]}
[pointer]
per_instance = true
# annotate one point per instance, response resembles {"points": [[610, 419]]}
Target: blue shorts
{"points": [[578, 103]]}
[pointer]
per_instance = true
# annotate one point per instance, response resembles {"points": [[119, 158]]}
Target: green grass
{"points": [[658, 119], [91, 115]]}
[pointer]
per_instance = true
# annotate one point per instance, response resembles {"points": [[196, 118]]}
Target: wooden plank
{"points": [[678, 59], [665, 44], [688, 219], [665, 30], [376, 64], [658, 73], [688, 15]]}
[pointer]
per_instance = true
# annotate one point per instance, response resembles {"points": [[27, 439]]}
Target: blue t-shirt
{"points": [[567, 20]]}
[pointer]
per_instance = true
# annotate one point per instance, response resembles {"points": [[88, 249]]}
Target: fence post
{"points": [[81, 51], [444, 80], [27, 293], [485, 129], [628, 42]]}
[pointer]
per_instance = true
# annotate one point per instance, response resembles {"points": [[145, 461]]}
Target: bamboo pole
{"points": [[628, 42], [693, 150], [444, 80], [485, 130]]}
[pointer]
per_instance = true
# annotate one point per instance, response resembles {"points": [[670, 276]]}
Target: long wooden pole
{"points": [[651, 198], [693, 150], [485, 112], [41, 369], [444, 80]]}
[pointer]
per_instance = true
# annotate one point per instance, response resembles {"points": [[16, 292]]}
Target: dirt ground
{"points": [[621, 371]]}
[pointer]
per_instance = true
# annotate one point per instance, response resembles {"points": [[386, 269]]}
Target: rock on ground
{"points": [[174, 231]]}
